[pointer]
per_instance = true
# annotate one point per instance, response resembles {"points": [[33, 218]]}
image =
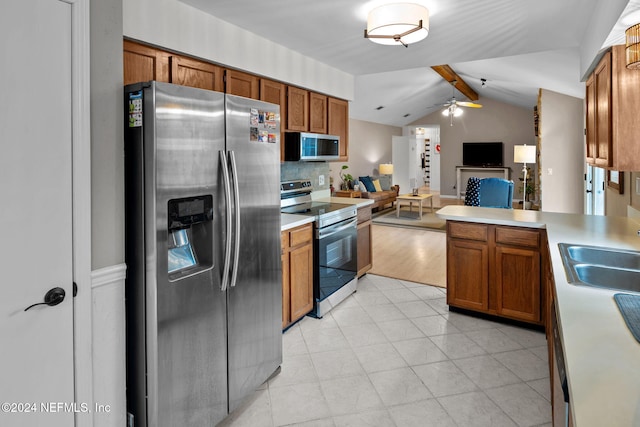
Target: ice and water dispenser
{"points": [[190, 247]]}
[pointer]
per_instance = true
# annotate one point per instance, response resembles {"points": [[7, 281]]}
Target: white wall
{"points": [[183, 28], [562, 152], [369, 145], [496, 121]]}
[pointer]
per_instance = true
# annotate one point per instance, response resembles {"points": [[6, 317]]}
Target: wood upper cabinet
{"points": [[365, 250], [317, 113], [192, 72], [143, 63], [612, 103], [297, 273], [242, 84], [297, 109], [338, 124], [495, 270], [276, 93]]}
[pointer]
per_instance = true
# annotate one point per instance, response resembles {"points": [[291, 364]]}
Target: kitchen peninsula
{"points": [[601, 356]]}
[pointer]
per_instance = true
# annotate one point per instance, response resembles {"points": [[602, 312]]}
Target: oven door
{"points": [[336, 257]]}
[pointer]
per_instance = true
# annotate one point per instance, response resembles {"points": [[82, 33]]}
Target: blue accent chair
{"points": [[489, 193]]}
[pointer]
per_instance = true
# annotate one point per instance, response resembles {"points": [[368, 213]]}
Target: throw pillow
{"points": [[368, 184], [376, 184], [472, 196], [385, 182]]}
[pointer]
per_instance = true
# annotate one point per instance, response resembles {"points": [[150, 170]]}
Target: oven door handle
{"points": [[333, 229]]}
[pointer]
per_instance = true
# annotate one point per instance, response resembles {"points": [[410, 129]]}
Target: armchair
{"points": [[489, 192]]}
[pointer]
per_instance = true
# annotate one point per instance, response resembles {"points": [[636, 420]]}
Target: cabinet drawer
{"points": [[364, 214], [300, 235], [469, 231], [518, 237]]}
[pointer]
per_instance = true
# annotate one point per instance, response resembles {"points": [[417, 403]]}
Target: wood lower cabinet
{"points": [[468, 274], [495, 270], [365, 241], [297, 273]]}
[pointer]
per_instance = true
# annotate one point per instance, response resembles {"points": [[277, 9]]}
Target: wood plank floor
{"points": [[412, 254]]}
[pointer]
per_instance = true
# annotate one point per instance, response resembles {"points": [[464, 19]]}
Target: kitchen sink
{"points": [[604, 256], [601, 267]]}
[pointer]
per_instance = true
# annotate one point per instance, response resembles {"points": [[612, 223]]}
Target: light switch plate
{"points": [[320, 179]]}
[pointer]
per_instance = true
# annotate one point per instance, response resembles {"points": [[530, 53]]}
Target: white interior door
{"points": [[36, 212]]}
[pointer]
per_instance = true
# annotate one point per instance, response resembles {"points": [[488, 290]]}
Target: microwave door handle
{"points": [[227, 201], [331, 230], [236, 194]]}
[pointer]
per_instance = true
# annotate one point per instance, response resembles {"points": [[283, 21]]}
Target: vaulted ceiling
{"points": [[517, 46]]}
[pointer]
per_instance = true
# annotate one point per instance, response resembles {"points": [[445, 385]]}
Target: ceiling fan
{"points": [[453, 106]]}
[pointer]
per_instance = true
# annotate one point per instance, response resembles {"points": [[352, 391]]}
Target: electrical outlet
{"points": [[549, 171], [321, 180]]}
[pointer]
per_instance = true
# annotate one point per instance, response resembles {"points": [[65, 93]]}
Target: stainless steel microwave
{"points": [[311, 146]]}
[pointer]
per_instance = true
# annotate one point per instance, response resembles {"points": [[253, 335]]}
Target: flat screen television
{"points": [[482, 154]]}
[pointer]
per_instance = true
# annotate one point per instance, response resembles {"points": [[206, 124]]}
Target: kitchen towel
{"points": [[629, 306]]}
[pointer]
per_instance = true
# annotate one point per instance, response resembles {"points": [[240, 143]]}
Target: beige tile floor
{"points": [[393, 355]]}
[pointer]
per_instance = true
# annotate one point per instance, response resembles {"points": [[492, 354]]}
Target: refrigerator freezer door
{"points": [[255, 299], [177, 367]]}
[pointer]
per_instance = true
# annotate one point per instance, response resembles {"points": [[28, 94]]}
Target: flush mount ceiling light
{"points": [[397, 23], [632, 36]]}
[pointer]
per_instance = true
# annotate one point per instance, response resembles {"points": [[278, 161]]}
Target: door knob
{"points": [[53, 297]]}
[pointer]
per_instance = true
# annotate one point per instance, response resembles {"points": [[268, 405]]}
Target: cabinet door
{"points": [[590, 101], [143, 63], [242, 84], [518, 283], [365, 257], [194, 73], [286, 291], [338, 124], [317, 113], [301, 276], [603, 142], [276, 93], [468, 274], [297, 109]]}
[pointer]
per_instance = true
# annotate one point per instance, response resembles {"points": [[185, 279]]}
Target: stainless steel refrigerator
{"points": [[203, 289]]}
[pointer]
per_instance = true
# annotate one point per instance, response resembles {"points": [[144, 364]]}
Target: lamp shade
{"points": [[386, 169], [524, 153], [632, 36], [398, 23]]}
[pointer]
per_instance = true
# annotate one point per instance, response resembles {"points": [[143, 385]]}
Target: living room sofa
{"points": [[380, 197]]}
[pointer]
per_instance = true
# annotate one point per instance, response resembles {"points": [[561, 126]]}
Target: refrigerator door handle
{"points": [[236, 194], [227, 201]]}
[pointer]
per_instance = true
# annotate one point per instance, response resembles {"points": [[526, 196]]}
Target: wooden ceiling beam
{"points": [[449, 75]]}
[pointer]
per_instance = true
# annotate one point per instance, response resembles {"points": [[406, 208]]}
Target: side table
{"points": [[348, 193]]}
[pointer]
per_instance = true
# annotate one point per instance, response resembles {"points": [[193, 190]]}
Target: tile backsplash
{"points": [[306, 170]]}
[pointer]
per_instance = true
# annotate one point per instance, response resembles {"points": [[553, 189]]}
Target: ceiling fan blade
{"points": [[469, 104]]}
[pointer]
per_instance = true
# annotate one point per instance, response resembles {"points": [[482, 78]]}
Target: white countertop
{"points": [[347, 201], [289, 221], [601, 355]]}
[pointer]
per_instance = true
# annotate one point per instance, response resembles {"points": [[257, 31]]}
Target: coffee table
{"points": [[419, 198]]}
